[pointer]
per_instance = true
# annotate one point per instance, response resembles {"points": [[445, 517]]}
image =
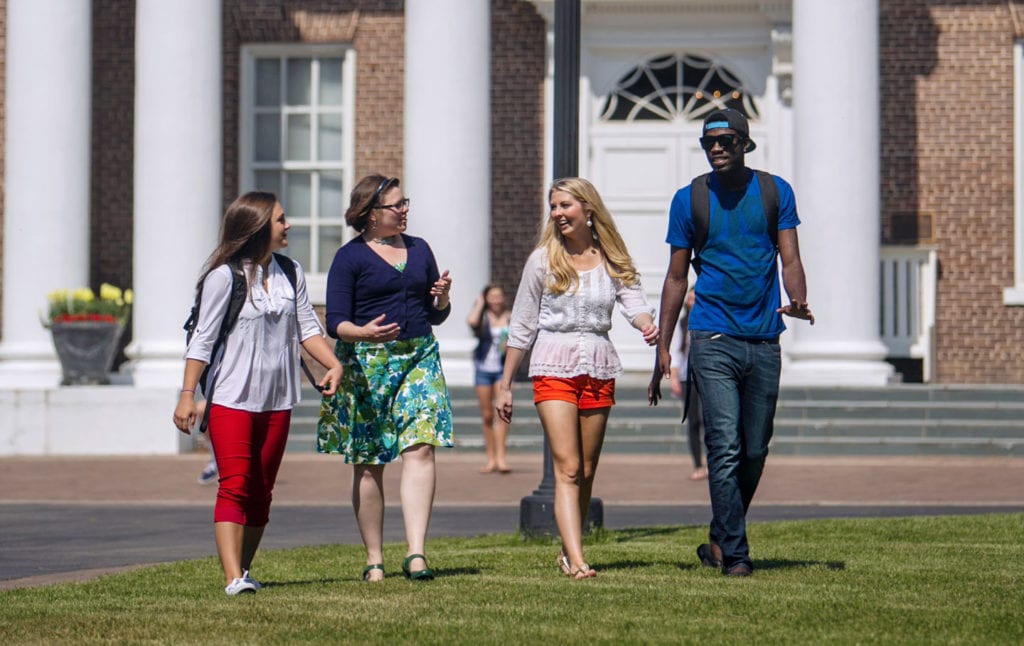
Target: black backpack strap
{"points": [[700, 212], [770, 200], [288, 267], [239, 290]]}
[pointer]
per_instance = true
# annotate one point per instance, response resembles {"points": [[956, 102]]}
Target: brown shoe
{"points": [[710, 555], [740, 569]]}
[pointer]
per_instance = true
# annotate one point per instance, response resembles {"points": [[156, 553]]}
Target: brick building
{"points": [[129, 125]]}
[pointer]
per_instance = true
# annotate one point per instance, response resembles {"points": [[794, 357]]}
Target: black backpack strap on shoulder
{"points": [[288, 267], [700, 212], [770, 200], [239, 290]]}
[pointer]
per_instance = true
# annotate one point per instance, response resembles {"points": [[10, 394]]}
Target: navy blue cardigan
{"points": [[361, 286]]}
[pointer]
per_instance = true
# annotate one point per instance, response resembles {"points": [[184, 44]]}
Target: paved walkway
{"points": [[622, 480], [72, 518]]}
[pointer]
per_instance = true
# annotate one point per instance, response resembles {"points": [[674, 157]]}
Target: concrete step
{"points": [[896, 420]]}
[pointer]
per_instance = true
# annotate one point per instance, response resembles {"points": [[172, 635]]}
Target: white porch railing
{"points": [[908, 277]]}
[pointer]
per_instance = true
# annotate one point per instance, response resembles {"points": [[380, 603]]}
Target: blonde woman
{"points": [[563, 309]]}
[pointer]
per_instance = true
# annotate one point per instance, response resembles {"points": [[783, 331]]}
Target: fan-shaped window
{"points": [[674, 87]]}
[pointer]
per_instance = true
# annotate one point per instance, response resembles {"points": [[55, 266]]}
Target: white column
{"points": [[448, 153], [46, 177], [836, 163], [178, 174]]}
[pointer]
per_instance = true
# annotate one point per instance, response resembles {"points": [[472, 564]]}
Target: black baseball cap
{"points": [[731, 119]]}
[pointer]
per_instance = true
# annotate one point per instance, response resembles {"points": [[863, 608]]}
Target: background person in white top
{"points": [[257, 375], [563, 308], [682, 390]]}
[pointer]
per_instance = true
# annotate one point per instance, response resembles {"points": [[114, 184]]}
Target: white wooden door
{"points": [[637, 171]]}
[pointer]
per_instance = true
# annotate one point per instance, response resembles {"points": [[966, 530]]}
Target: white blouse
{"points": [[259, 369], [569, 331]]}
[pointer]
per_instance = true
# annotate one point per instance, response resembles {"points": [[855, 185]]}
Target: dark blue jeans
{"points": [[738, 382]]}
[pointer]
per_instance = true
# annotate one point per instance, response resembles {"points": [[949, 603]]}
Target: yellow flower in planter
{"points": [[81, 304]]}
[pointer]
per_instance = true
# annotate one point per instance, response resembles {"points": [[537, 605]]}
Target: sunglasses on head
{"points": [[725, 141]]}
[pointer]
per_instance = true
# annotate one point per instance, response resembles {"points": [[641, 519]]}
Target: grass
{"points": [[950, 579]]}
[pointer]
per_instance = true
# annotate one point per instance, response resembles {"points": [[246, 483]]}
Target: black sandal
{"points": [[426, 574]]}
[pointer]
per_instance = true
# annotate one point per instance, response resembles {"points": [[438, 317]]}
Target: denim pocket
{"points": [[701, 335]]}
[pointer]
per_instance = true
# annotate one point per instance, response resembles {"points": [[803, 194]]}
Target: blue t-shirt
{"points": [[361, 286], [738, 291]]}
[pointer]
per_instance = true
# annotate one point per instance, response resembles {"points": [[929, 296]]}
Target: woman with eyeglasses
{"points": [[384, 295]]}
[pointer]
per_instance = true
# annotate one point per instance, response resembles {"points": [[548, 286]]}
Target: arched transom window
{"points": [[676, 87]]}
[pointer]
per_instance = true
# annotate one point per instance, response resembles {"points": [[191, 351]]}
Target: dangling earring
{"points": [[589, 223]]}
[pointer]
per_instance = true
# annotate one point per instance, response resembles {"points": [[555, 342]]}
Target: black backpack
{"points": [[239, 290], [700, 208]]}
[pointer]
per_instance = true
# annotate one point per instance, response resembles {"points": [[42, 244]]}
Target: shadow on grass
{"points": [[784, 564], [638, 533], [456, 571], [288, 584], [632, 565]]}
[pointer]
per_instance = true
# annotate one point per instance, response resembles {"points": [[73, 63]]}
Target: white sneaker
{"points": [[256, 584], [240, 586], [209, 473]]}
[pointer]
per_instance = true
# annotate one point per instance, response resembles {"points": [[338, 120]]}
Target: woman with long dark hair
{"points": [[384, 295], [256, 373]]}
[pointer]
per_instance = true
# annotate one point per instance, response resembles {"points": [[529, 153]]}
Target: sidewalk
{"points": [[309, 479]]}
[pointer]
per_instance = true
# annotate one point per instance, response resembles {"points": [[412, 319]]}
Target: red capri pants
{"points": [[248, 447]]}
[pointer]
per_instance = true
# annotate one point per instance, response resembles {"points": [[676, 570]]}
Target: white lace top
{"points": [[569, 332]]}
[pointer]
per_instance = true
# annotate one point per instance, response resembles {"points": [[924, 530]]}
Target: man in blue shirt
{"points": [[734, 324]]}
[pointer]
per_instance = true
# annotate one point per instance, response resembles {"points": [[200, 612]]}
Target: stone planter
{"points": [[86, 350]]}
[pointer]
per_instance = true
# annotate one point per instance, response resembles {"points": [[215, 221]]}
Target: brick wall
{"points": [[517, 136], [947, 152], [378, 36], [113, 145]]}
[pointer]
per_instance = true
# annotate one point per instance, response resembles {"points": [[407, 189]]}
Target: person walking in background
{"points": [[489, 322], [570, 284], [736, 223], [210, 472], [384, 294], [256, 374], [680, 384]]}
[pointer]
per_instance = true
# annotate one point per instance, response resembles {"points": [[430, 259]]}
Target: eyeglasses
{"points": [[397, 206], [725, 141]]}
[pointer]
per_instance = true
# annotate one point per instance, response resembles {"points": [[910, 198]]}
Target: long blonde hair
{"points": [[606, 236]]}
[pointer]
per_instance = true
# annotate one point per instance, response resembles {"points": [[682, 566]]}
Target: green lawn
{"points": [[956, 579]]}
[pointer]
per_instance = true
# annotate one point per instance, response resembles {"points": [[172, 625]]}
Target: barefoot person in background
{"points": [[683, 390], [489, 322]]}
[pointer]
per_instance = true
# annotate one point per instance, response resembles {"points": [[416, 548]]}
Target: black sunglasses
{"points": [[725, 141]]}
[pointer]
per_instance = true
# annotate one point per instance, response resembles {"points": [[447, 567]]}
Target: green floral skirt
{"points": [[392, 396]]}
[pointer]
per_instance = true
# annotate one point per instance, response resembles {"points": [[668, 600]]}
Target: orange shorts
{"points": [[583, 390]]}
